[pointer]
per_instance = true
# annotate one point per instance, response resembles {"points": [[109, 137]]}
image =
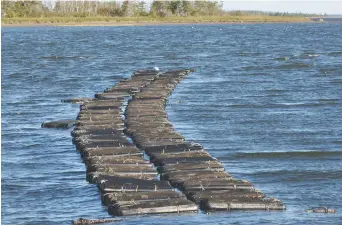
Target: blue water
{"points": [[265, 100]]}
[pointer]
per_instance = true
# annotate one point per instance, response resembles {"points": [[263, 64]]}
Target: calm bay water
{"points": [[265, 100]]}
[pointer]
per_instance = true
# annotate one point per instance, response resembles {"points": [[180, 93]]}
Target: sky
{"points": [[304, 6]]}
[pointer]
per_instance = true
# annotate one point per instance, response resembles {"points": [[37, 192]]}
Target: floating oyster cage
{"points": [[141, 165]]}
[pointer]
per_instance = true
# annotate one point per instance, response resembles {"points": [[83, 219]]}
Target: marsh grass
{"points": [[149, 20]]}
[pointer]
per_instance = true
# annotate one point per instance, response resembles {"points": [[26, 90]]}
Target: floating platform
{"points": [[152, 207], [141, 165]]}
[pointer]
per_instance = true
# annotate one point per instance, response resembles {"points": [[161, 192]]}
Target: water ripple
{"points": [[259, 96]]}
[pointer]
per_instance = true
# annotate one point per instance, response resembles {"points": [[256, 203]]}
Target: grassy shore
{"points": [[117, 21]]}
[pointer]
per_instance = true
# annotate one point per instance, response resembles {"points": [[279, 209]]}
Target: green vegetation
{"points": [[126, 8], [133, 11], [148, 20]]}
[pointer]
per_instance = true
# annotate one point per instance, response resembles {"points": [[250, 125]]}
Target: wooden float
{"points": [[128, 167], [110, 151], [241, 203], [77, 100], [115, 197], [152, 207], [193, 166], [109, 160], [181, 147], [82, 221], [95, 131], [207, 195], [128, 184], [95, 177]]}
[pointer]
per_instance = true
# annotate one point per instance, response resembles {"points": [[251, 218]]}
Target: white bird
{"points": [[156, 68]]}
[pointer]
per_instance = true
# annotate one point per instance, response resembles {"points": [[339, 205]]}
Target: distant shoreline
{"points": [[146, 21], [113, 24]]}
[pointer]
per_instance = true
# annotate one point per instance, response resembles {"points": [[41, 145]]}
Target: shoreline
{"points": [[79, 22], [115, 24]]}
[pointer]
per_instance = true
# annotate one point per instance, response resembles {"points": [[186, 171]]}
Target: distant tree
{"points": [[133, 8], [160, 9], [140, 9], [127, 9], [23, 9], [186, 8], [175, 6], [207, 8]]}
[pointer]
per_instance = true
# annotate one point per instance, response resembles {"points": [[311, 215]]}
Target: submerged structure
{"points": [[142, 165]]}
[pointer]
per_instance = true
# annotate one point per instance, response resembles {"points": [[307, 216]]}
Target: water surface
{"points": [[265, 100]]}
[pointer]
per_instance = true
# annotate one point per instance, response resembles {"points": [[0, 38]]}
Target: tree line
{"points": [[263, 13], [127, 8], [132, 8]]}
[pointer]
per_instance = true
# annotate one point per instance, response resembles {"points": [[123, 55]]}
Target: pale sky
{"points": [[304, 6]]}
